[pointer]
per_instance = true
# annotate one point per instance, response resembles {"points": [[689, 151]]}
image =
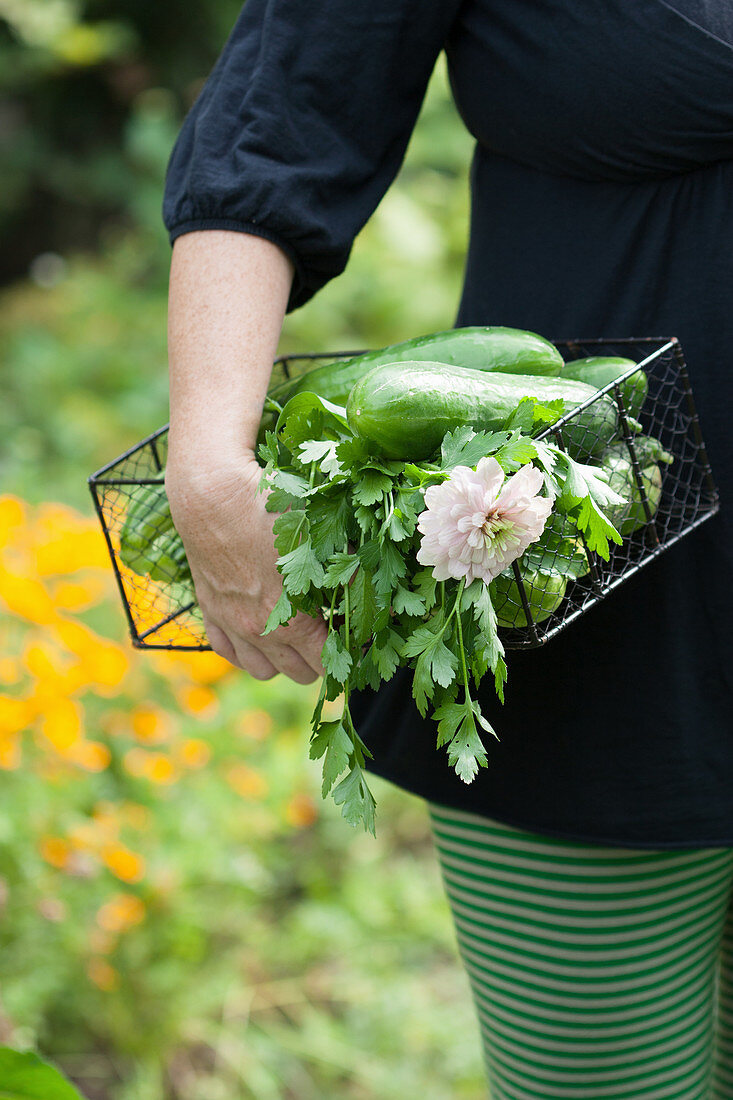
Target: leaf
{"points": [[332, 741], [596, 528], [307, 408], [436, 664], [425, 583], [358, 801], [23, 1076], [406, 602], [323, 452], [457, 726], [516, 453], [301, 569], [340, 569], [268, 451], [385, 652], [523, 416], [464, 446], [335, 658], [287, 529], [329, 514], [371, 486], [391, 567], [286, 490], [363, 606], [281, 613]]}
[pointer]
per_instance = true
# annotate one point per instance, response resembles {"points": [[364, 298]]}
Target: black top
{"points": [[602, 205]]}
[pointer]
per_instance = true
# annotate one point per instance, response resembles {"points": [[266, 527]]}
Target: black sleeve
{"points": [[303, 124]]}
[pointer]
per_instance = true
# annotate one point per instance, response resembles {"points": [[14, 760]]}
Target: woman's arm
{"points": [[228, 294]]}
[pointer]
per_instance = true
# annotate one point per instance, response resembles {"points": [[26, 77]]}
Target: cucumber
{"points": [[545, 593], [404, 409], [510, 350], [631, 516], [599, 370]]}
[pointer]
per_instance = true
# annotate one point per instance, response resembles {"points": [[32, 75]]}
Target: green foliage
{"points": [[23, 1076]]}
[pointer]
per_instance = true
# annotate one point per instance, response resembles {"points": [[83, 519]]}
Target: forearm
{"points": [[227, 300]]}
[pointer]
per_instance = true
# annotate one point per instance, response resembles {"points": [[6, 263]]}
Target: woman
{"points": [[589, 867]]}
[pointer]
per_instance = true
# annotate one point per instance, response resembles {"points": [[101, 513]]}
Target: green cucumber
{"points": [[404, 409], [599, 370], [544, 591], [631, 516], [492, 348]]}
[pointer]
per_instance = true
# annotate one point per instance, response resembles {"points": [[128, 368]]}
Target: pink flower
{"points": [[475, 523]]}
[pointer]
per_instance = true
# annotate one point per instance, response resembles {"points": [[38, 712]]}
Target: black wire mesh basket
{"points": [[669, 491]]}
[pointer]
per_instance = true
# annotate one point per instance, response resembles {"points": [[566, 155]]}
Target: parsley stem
{"points": [[461, 586]]}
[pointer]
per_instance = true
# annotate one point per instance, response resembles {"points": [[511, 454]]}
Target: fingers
{"points": [[272, 654]]}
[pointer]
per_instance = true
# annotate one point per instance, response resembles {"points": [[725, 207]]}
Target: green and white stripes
{"points": [[594, 970]]}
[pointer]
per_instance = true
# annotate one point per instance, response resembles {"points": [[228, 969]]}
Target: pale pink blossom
{"points": [[476, 523]]}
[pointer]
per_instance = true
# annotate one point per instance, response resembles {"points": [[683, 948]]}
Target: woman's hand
{"points": [[227, 535]]}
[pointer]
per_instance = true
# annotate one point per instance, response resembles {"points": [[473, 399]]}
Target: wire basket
{"points": [[666, 502]]}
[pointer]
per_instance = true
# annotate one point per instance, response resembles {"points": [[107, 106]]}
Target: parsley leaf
{"points": [[334, 741], [335, 657], [464, 446], [281, 613], [372, 486], [301, 569], [457, 727], [358, 801]]}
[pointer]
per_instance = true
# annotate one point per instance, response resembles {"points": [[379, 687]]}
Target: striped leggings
{"points": [[603, 973]]}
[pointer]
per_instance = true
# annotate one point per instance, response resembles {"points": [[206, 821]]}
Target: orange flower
{"points": [[104, 976], [126, 865], [194, 753], [301, 811], [246, 781], [66, 541], [121, 912], [256, 724], [56, 851]]}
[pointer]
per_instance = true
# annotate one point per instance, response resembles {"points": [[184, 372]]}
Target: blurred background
{"points": [[181, 916]]}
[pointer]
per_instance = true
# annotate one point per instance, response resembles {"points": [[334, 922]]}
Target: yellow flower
{"points": [[198, 700], [155, 766], [26, 597], [104, 976], [78, 595], [194, 753], [56, 851], [246, 781], [61, 723], [301, 811], [93, 756], [256, 724], [13, 513], [151, 724], [121, 912], [10, 755], [126, 865]]}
